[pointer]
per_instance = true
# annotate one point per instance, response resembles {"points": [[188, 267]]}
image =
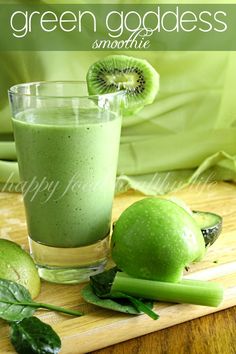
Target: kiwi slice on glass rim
{"points": [[136, 77]]}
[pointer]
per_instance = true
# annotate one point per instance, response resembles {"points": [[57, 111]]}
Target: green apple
{"points": [[156, 239]]}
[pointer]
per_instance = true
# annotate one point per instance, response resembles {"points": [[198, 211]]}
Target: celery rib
{"points": [[187, 291]]}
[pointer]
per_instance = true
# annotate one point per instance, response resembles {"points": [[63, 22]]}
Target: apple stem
{"points": [[186, 291]]}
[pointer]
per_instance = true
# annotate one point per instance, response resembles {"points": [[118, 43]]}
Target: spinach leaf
{"points": [[139, 305], [12, 295], [32, 336], [28, 334], [101, 283], [99, 293], [115, 304], [16, 302]]}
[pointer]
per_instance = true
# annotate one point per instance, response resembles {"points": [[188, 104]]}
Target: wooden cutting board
{"points": [[100, 328]]}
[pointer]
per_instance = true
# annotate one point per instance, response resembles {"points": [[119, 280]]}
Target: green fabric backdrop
{"points": [[188, 134]]}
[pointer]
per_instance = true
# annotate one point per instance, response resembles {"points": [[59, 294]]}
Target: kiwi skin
{"points": [[136, 77]]}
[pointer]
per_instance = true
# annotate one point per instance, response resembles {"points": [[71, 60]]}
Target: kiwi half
{"points": [[136, 77]]}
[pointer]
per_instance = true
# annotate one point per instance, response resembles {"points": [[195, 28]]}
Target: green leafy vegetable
{"points": [[28, 334], [16, 302], [99, 293], [115, 304], [101, 283], [32, 336], [11, 297], [186, 291], [139, 304]]}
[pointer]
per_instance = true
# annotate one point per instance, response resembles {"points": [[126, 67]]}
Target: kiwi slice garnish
{"points": [[136, 77]]}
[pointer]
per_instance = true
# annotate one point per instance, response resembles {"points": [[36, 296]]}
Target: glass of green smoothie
{"points": [[67, 147]]}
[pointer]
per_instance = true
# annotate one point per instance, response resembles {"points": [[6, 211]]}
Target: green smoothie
{"points": [[67, 162]]}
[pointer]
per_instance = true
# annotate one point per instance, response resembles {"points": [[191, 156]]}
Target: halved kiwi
{"points": [[136, 77]]}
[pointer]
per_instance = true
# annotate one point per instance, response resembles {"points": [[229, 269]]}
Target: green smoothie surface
{"points": [[67, 161]]}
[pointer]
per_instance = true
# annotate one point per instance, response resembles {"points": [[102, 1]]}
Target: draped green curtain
{"points": [[188, 134]]}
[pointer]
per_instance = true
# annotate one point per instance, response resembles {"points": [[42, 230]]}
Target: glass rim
{"points": [[12, 90]]}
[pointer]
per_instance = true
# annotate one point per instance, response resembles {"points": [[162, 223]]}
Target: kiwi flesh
{"points": [[136, 77]]}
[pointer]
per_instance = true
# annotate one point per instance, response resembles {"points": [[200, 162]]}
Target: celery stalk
{"points": [[187, 291]]}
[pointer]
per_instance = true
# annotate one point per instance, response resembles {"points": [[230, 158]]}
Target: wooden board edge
{"points": [[109, 331]]}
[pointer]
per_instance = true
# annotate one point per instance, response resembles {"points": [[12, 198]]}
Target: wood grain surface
{"points": [[214, 334]]}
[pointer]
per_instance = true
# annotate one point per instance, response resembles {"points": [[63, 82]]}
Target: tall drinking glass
{"points": [[67, 147]]}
